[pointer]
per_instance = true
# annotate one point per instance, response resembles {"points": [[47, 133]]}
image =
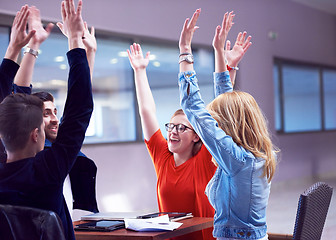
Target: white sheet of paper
{"points": [[160, 223]]}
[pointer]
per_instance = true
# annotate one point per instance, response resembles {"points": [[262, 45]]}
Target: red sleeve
{"points": [[158, 149], [205, 162]]}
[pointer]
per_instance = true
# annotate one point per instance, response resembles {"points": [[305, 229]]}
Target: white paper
{"points": [[160, 223]]}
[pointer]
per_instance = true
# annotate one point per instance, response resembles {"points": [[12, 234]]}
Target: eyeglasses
{"points": [[180, 128]]}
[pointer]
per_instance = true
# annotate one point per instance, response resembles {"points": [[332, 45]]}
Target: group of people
{"points": [[217, 161]]}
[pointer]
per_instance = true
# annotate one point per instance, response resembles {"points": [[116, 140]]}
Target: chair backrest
{"points": [[312, 212], [19, 223]]}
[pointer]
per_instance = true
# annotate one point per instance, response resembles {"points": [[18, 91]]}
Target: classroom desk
{"points": [[189, 225]]}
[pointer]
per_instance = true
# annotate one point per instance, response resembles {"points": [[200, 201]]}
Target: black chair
{"points": [[311, 213], [21, 223]]}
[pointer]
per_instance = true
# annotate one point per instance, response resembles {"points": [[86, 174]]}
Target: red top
{"points": [[181, 188]]}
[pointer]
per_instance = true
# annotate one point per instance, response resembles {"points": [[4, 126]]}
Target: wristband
{"points": [[31, 51], [231, 68], [184, 54], [188, 57]]}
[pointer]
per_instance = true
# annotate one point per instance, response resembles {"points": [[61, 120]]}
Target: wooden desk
{"points": [[189, 225]]}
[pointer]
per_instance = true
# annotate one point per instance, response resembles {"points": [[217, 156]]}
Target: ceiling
{"points": [[328, 6]]}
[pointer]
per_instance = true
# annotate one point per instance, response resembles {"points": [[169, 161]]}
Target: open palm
{"points": [[137, 60]]}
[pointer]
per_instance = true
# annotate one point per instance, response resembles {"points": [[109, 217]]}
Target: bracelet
{"points": [[231, 68], [184, 54], [31, 51]]}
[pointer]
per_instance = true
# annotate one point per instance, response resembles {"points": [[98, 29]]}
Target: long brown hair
{"points": [[197, 145], [239, 115]]}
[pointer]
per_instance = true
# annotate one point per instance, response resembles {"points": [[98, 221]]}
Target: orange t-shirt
{"points": [[181, 188]]}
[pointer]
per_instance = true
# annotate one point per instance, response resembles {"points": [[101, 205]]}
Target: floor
{"points": [[283, 202]]}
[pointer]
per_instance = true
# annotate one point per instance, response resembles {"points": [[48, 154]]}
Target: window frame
{"points": [[278, 63]]}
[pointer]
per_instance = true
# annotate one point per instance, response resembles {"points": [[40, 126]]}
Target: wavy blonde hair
{"points": [[197, 145], [239, 115]]}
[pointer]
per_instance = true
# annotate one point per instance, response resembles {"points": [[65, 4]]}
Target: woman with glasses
{"points": [[183, 165], [234, 130]]}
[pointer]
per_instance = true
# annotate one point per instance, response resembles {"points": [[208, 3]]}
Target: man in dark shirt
{"points": [[31, 177], [83, 172]]}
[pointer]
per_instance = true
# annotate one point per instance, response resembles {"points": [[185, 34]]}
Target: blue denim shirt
{"points": [[237, 191]]}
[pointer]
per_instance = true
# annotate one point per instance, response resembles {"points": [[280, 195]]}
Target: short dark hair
{"points": [[19, 115], [44, 96]]}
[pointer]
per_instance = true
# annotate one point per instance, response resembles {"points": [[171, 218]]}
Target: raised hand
{"points": [[137, 60], [73, 24], [34, 23], [89, 38], [187, 32], [236, 54], [222, 31], [19, 36]]}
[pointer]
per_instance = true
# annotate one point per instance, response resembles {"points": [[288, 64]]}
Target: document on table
{"points": [[160, 223]]}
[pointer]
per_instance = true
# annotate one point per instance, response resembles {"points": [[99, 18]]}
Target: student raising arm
{"points": [[236, 135]]}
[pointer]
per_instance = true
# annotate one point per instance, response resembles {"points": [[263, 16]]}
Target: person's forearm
{"points": [[185, 66], [147, 108], [75, 42], [12, 53], [144, 94], [220, 63], [8, 69], [25, 74], [91, 54], [79, 98]]}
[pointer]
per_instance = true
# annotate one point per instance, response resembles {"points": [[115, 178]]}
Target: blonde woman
{"points": [[234, 131]]}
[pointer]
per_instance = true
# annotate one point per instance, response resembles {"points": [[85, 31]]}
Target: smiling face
{"points": [[181, 142], [50, 120]]}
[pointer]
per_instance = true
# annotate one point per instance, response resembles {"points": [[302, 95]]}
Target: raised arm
{"points": [[145, 98], [227, 57], [236, 54], [25, 73], [218, 42], [189, 27], [79, 103], [213, 137], [90, 44], [19, 37]]}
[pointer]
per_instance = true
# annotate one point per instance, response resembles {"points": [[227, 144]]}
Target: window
{"points": [[304, 97], [329, 89], [115, 117], [4, 39]]}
